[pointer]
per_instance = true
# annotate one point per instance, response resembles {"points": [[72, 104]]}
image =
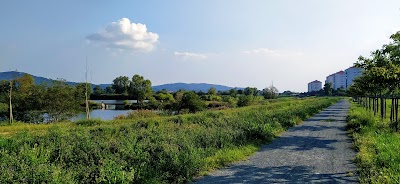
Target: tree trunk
{"points": [[87, 103], [392, 110], [396, 113], [382, 107], [11, 108], [86, 93]]}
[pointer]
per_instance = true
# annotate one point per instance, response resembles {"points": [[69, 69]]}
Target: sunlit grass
{"points": [[378, 146], [160, 149], [224, 157]]}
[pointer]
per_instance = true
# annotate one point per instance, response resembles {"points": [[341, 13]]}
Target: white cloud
{"points": [[126, 35], [186, 55], [274, 54], [263, 51]]}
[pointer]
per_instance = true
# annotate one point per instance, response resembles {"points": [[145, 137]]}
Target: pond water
{"points": [[102, 114]]}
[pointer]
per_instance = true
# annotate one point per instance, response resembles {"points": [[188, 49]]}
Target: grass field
{"points": [[378, 147], [152, 149]]}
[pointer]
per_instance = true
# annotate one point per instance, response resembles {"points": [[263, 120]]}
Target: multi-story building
{"points": [[314, 86], [338, 80], [351, 74], [330, 79]]}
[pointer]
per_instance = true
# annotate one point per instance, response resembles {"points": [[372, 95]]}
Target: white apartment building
{"points": [[337, 80], [314, 86], [351, 74], [330, 79]]}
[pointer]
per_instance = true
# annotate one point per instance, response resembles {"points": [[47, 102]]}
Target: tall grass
{"points": [[378, 146], [147, 150]]}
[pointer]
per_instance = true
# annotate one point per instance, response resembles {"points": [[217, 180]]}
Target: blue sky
{"points": [[234, 43]]}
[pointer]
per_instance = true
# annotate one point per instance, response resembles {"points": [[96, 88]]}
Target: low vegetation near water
{"points": [[145, 149], [377, 144]]}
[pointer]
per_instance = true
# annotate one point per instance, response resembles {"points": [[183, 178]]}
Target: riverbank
{"points": [[147, 150]]}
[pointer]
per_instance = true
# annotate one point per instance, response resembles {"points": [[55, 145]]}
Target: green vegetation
{"points": [[377, 144], [270, 92], [376, 137], [380, 79], [155, 149], [31, 101]]}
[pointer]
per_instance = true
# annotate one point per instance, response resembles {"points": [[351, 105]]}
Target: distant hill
{"points": [[38, 80], [191, 87], [15, 74], [169, 87]]}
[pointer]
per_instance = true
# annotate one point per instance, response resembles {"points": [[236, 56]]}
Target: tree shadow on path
{"points": [[281, 174]]}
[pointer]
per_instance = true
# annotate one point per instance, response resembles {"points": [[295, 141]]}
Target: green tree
{"points": [[250, 91], [109, 90], [270, 92], [97, 90], [61, 102], [24, 83], [28, 100], [341, 92], [140, 89], [191, 101], [212, 91], [3, 110], [328, 89], [245, 100], [164, 96], [233, 92], [121, 85], [80, 90]]}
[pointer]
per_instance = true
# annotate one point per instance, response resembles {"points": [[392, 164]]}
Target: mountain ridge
{"points": [[169, 87]]}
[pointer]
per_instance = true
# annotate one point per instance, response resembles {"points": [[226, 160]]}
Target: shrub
{"points": [[88, 122], [377, 144], [137, 114], [245, 101]]}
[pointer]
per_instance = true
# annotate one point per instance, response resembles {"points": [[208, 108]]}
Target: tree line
{"points": [[380, 80], [36, 103], [139, 88], [23, 100]]}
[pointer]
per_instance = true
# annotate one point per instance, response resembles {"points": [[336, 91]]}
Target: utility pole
{"points": [[11, 113], [86, 93]]}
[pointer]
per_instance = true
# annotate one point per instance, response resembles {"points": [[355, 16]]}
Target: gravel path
{"points": [[317, 151]]}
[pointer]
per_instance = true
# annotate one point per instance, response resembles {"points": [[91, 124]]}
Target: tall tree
{"points": [[109, 90], [87, 93], [63, 103], [140, 89], [121, 85], [212, 91], [97, 90], [11, 108], [270, 92], [250, 91], [328, 89], [191, 101], [233, 92]]}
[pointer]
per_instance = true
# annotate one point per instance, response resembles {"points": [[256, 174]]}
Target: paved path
{"points": [[317, 151]]}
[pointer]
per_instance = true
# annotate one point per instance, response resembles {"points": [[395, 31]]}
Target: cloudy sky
{"points": [[228, 42]]}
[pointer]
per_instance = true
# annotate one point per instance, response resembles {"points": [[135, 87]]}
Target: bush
{"points": [[88, 122], [192, 101], [245, 101], [137, 114], [216, 104], [3, 110]]}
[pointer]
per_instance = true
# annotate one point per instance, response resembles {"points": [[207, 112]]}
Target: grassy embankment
{"points": [[378, 146], [144, 150]]}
